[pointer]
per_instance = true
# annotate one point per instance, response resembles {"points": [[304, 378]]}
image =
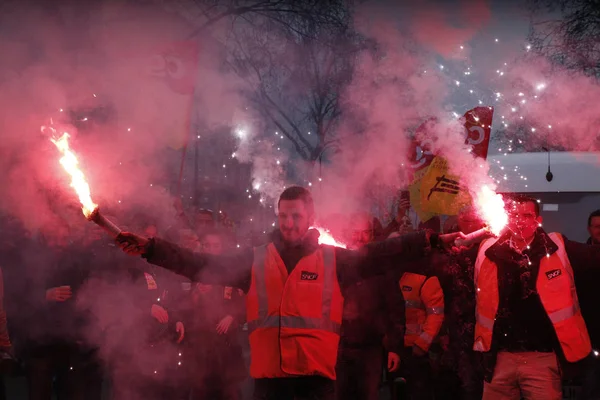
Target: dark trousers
{"points": [[461, 378], [359, 372], [590, 388], [418, 376], [215, 366], [76, 372], [301, 388]]}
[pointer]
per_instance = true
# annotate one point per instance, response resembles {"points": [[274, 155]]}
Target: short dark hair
{"points": [[522, 199], [592, 215], [298, 193]]}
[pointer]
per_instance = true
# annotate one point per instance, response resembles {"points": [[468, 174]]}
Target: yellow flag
{"points": [[414, 190], [440, 192]]}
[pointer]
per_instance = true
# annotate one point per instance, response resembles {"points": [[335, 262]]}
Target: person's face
{"points": [[361, 232], [469, 222], [188, 239], [204, 220], [294, 220], [594, 229], [212, 244], [522, 220]]}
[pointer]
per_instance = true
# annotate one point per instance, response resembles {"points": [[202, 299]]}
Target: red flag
{"points": [[177, 64], [175, 68], [478, 126]]}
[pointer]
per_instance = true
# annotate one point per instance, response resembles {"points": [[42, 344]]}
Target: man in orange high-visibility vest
{"points": [[424, 302], [294, 290], [527, 313]]}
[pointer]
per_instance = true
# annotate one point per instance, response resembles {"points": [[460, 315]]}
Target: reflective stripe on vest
{"points": [[413, 304], [565, 313], [426, 337], [413, 329], [260, 256], [287, 321], [485, 322], [434, 310], [273, 321]]}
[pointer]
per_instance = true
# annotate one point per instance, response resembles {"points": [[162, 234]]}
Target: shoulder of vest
{"points": [[487, 243], [556, 235]]}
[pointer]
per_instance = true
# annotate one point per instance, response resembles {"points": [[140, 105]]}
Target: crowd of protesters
{"points": [[402, 313]]}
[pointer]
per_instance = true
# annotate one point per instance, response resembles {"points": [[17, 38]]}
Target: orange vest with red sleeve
{"points": [[556, 287], [294, 319], [424, 302]]}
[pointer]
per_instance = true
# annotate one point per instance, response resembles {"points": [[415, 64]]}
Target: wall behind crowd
{"points": [[568, 212]]}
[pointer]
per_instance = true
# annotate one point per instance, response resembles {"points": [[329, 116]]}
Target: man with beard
{"points": [[294, 293], [372, 308]]}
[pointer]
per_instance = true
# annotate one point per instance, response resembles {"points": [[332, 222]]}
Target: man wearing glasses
{"points": [[527, 315]]}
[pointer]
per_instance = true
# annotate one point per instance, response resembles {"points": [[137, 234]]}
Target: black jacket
{"points": [[522, 323]]}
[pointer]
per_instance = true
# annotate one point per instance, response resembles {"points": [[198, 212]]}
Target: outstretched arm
{"points": [[233, 269]]}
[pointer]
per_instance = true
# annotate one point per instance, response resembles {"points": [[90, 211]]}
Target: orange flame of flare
{"points": [[78, 182], [326, 238], [491, 207]]}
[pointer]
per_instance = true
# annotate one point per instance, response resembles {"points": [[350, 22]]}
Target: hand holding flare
{"points": [[71, 165]]}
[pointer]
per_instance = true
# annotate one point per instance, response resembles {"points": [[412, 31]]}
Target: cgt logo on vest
{"points": [[553, 274], [406, 288], [308, 276]]}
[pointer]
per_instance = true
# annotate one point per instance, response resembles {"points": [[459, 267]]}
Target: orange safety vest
{"points": [[294, 320], [556, 288], [424, 302]]}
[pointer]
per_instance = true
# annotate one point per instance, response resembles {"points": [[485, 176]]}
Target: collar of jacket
{"points": [[591, 241], [309, 243], [539, 247]]}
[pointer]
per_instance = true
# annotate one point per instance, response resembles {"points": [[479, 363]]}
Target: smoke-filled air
{"points": [[181, 123]]}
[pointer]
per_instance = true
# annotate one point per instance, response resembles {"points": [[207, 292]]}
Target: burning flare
{"points": [[326, 238], [78, 182], [491, 208], [71, 165]]}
